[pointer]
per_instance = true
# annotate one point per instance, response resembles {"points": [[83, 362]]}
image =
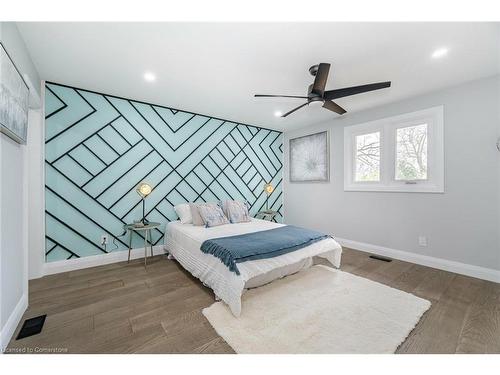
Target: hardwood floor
{"points": [[122, 308]]}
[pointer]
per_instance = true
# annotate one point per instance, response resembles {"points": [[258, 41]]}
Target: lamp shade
{"points": [[144, 189], [268, 188]]}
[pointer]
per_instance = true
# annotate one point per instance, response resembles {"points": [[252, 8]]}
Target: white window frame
{"points": [[387, 127]]}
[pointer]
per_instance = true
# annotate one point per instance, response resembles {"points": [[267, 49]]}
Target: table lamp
{"points": [[268, 188], [144, 189]]}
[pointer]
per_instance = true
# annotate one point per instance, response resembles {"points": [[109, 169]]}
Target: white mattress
{"points": [[183, 241]]}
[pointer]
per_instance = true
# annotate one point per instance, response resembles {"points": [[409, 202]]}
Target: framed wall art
{"points": [[309, 158], [14, 99]]}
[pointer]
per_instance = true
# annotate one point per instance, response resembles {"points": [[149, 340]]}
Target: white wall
{"points": [[14, 202], [461, 225], [14, 234], [36, 195]]}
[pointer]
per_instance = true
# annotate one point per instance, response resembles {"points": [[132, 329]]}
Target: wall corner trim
{"points": [[10, 326], [483, 273]]}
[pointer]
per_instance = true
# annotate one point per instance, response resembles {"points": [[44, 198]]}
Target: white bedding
{"points": [[183, 241]]}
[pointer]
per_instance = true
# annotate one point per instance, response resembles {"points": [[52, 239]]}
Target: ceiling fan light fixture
{"points": [[317, 96], [316, 103]]}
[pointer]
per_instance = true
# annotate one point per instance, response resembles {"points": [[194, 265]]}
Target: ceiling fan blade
{"points": [[334, 107], [293, 110], [321, 78], [348, 91], [279, 96]]}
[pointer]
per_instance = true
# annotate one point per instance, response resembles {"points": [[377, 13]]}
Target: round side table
{"points": [[266, 215], [146, 228]]}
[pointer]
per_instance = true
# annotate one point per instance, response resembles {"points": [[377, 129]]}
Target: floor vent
{"points": [[32, 326], [383, 259]]}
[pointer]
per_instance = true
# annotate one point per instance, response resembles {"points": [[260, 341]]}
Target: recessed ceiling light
{"points": [[278, 114], [150, 77], [440, 52]]}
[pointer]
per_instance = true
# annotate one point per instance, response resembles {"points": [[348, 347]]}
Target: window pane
{"points": [[368, 157], [411, 153]]}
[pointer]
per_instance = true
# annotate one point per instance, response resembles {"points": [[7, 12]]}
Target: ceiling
{"points": [[215, 68]]}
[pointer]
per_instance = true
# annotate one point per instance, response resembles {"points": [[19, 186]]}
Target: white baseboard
{"points": [[97, 260], [11, 324], [425, 260]]}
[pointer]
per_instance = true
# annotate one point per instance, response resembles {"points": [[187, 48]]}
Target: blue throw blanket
{"points": [[260, 245]]}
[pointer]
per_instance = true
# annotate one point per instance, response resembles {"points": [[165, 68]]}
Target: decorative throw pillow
{"points": [[237, 212], [195, 214], [223, 205], [184, 212], [212, 214]]}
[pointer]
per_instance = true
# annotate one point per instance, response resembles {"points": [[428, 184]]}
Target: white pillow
{"points": [[195, 214], [184, 212]]}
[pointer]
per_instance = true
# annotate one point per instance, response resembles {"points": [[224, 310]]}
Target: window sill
{"points": [[436, 189]]}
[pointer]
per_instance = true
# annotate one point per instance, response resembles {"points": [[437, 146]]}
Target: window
{"points": [[401, 153], [368, 157], [411, 153]]}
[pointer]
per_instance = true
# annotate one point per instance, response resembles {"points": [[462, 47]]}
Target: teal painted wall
{"points": [[98, 147]]}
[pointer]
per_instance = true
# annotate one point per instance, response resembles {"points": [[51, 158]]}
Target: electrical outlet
{"points": [[104, 239], [422, 241]]}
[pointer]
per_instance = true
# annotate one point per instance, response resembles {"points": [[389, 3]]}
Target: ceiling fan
{"points": [[316, 93]]}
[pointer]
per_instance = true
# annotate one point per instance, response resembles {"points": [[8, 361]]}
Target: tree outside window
{"points": [[368, 157], [411, 153]]}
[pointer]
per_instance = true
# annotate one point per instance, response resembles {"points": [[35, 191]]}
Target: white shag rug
{"points": [[320, 310]]}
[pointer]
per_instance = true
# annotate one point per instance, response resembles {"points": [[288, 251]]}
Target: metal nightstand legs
{"points": [[147, 235], [129, 243], [147, 238]]}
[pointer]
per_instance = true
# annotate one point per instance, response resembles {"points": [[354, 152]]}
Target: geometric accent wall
{"points": [[99, 147]]}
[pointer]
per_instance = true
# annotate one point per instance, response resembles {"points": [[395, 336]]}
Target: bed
{"points": [[183, 242]]}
